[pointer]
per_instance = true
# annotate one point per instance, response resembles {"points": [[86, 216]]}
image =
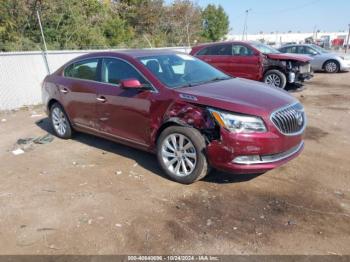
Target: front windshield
{"points": [[319, 49], [265, 49], [181, 70]]}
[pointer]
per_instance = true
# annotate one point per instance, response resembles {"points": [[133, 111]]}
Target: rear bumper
{"points": [[270, 150]]}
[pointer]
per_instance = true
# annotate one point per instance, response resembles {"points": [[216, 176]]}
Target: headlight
{"points": [[239, 123]]}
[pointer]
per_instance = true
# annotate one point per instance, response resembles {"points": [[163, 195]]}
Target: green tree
{"points": [[215, 22]]}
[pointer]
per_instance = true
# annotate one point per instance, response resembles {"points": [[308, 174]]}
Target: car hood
{"points": [[294, 57], [238, 95]]}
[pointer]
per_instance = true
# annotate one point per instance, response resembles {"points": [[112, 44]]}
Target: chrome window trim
{"points": [[289, 134], [154, 90], [266, 159]]}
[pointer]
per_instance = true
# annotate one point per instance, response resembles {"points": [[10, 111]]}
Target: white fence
{"points": [[21, 74]]}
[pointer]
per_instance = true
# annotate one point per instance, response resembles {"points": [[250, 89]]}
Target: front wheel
{"points": [[181, 154], [275, 78], [332, 66]]}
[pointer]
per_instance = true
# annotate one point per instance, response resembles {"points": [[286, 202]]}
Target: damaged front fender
{"points": [[189, 115]]}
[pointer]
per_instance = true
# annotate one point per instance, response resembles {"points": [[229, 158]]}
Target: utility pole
{"points": [[245, 26], [43, 37], [347, 41]]}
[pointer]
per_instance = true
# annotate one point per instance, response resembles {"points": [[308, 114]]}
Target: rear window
{"points": [[86, 69]]}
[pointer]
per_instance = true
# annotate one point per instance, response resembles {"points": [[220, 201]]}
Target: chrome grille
{"points": [[289, 120]]}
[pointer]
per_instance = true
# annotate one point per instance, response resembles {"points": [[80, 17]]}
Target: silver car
{"points": [[323, 60]]}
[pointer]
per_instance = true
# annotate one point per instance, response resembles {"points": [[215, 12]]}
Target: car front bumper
{"points": [[253, 153]]}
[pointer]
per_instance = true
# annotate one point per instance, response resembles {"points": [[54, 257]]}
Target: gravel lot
{"points": [[92, 196]]}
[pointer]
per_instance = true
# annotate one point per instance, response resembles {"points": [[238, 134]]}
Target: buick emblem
{"points": [[299, 117]]}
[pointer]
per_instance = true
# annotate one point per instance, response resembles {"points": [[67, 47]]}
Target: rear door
{"points": [[218, 56], [78, 91]]}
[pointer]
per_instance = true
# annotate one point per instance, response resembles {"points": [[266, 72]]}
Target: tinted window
{"points": [[115, 70], [290, 49], [217, 50], [241, 50], [308, 51], [179, 70], [204, 51], [283, 50], [86, 69]]}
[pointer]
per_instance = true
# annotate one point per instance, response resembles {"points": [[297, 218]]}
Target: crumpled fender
{"points": [[185, 114]]}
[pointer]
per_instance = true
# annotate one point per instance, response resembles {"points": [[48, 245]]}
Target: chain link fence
{"points": [[23, 72]]}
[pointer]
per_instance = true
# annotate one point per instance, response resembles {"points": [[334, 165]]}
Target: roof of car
{"points": [[135, 52], [227, 42], [296, 45]]}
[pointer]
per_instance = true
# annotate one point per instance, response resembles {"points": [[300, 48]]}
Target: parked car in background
{"points": [[322, 60], [256, 61], [190, 114]]}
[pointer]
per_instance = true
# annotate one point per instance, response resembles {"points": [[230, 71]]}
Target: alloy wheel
{"points": [[179, 154], [273, 80], [59, 121], [331, 67]]}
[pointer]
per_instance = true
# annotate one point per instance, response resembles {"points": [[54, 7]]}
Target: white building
{"points": [[278, 39]]}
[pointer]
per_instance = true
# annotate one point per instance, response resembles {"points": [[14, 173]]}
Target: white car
{"points": [[322, 60]]}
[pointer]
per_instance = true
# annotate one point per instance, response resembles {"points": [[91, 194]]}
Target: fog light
{"points": [[246, 160], [291, 77]]}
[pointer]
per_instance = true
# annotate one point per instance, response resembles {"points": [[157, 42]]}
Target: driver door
{"points": [[123, 113]]}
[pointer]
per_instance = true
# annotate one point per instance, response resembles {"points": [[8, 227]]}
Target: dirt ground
{"points": [[92, 196]]}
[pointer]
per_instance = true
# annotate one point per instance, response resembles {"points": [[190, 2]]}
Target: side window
{"points": [[86, 69], [204, 51], [241, 50], [217, 50], [115, 70], [302, 50], [310, 51], [290, 49], [224, 50], [283, 50]]}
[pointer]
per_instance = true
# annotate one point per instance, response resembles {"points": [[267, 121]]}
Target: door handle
{"points": [[101, 99], [64, 90]]}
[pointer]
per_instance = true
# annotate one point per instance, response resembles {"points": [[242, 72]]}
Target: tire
{"points": [[331, 66], [60, 122], [176, 161], [275, 78]]}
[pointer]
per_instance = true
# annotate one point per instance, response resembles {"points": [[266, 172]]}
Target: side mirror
{"points": [[131, 83]]}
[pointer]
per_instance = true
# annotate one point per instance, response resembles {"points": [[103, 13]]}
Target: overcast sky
{"points": [[282, 15]]}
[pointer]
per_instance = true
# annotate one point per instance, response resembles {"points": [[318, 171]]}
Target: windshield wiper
{"points": [[215, 79], [207, 81]]}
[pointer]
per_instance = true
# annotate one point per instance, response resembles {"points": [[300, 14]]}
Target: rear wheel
{"points": [[181, 154], [60, 121], [275, 78], [331, 66]]}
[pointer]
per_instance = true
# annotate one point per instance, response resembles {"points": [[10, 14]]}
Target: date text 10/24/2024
{"points": [[173, 258]]}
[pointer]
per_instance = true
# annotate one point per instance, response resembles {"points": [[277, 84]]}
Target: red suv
{"points": [[256, 61], [190, 114]]}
